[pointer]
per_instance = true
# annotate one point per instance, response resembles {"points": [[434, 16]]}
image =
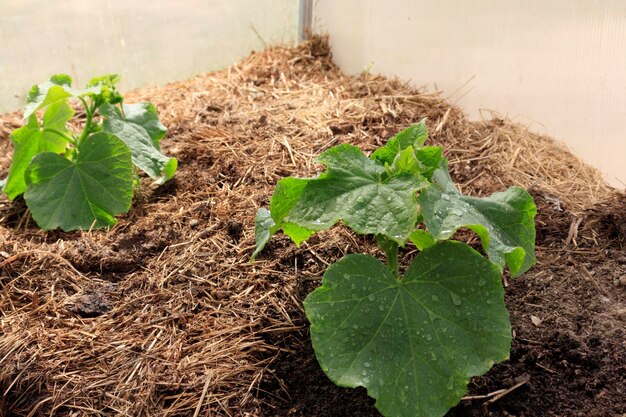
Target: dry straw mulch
{"points": [[164, 315]]}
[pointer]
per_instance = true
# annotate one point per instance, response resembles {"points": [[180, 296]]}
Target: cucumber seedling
{"points": [[83, 180], [412, 340]]}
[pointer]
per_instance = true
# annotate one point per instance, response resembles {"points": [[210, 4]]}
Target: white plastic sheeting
{"points": [[148, 42], [558, 66]]}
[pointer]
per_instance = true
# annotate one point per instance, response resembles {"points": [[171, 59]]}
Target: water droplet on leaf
{"points": [[456, 300]]}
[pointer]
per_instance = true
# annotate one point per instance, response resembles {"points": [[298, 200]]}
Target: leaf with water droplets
{"points": [[503, 221], [436, 330], [354, 190]]}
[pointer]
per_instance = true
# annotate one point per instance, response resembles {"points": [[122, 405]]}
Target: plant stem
{"points": [[391, 252], [63, 135], [89, 110], [137, 182]]}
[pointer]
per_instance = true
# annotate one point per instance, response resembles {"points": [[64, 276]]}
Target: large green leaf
{"points": [[354, 190], [84, 193], [57, 88], [141, 135], [32, 139], [145, 115], [504, 221], [376, 195], [413, 343]]}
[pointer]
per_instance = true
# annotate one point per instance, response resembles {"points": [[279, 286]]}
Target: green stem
{"points": [[392, 258], [391, 252], [63, 135], [89, 110], [137, 182]]}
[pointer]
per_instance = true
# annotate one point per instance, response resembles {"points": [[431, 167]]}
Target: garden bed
{"points": [[164, 315]]}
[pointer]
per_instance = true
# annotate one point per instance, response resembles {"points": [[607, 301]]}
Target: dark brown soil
{"points": [[573, 354], [164, 314]]}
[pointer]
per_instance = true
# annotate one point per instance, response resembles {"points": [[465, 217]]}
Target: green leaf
{"points": [[107, 80], [430, 159], [413, 343], [421, 239], [504, 221], [286, 195], [57, 88], [354, 190], [298, 234], [406, 162], [81, 194], [31, 139], [414, 136], [263, 226], [145, 115], [144, 147], [102, 90]]}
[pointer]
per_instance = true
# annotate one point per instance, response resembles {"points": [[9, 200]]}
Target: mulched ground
{"points": [[164, 315]]}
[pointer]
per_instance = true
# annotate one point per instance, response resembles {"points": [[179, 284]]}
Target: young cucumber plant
{"points": [[82, 180], [413, 341]]}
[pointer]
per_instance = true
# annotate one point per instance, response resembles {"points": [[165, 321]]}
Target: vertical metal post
{"points": [[305, 19]]}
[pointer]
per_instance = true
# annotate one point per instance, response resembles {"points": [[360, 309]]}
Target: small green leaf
{"points": [[413, 343], [144, 147], [414, 136], [57, 88], [298, 234], [168, 171], [354, 190], [31, 139], [102, 90], [421, 239], [263, 226], [81, 194], [406, 162], [430, 159], [107, 80], [504, 221]]}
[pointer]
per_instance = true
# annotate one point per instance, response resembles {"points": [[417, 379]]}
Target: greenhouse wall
{"points": [[557, 66], [147, 42]]}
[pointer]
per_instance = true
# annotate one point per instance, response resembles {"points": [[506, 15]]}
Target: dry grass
{"points": [[164, 315]]}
